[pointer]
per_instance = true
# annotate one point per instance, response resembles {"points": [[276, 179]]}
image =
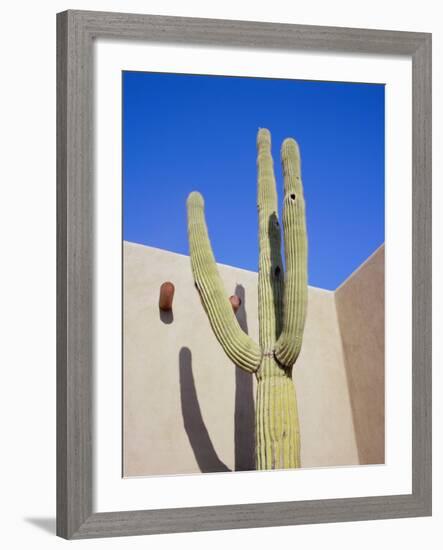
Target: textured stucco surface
{"points": [[360, 304], [187, 409]]}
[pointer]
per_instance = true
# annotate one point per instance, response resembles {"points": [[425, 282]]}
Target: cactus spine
{"points": [[282, 303]]}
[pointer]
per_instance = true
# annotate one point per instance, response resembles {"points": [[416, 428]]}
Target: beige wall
{"points": [[187, 409], [360, 302]]}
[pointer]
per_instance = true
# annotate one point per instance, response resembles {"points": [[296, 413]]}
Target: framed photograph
{"points": [[244, 274]]}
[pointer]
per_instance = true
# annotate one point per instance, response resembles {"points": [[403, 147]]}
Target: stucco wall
{"points": [[360, 304], [187, 409]]}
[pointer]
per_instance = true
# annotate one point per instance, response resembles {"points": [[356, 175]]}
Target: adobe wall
{"points": [[360, 302], [187, 409]]}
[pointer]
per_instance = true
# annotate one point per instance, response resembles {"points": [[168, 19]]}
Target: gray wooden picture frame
{"points": [[76, 32]]}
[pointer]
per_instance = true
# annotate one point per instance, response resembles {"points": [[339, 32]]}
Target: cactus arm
{"points": [[295, 298], [270, 272], [238, 346]]}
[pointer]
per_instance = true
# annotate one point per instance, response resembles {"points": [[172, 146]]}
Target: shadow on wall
{"points": [[244, 414], [207, 458], [167, 317]]}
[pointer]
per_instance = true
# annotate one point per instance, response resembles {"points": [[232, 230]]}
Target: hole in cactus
{"points": [[277, 271], [293, 196]]}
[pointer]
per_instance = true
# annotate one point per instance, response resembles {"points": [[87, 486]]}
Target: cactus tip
{"points": [[263, 136], [196, 199], [288, 144]]}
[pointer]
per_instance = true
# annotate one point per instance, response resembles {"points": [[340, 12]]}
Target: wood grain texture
{"points": [[75, 265], [194, 30], [76, 31], [422, 272]]}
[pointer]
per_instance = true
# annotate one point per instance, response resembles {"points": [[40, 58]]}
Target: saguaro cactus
{"points": [[282, 303]]}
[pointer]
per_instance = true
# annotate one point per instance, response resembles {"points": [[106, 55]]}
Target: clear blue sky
{"points": [[188, 132]]}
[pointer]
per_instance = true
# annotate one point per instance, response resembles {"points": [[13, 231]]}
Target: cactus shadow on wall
{"points": [[244, 414], [205, 454]]}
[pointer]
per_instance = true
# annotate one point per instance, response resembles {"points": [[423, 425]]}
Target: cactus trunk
{"points": [[282, 303], [276, 423], [277, 426]]}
